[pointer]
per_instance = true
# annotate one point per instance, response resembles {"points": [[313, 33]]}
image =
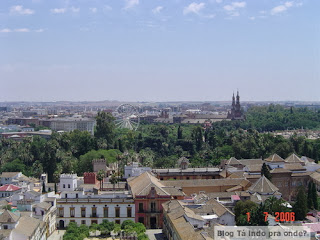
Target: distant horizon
{"points": [[182, 101], [159, 51]]}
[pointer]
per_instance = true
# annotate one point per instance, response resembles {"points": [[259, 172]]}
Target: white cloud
{"points": [[75, 10], [18, 9], [232, 8], [219, 1], [281, 8], [22, 30], [193, 8], [234, 5], [252, 18], [93, 10], [157, 10], [58, 10], [131, 4], [107, 8], [5, 30], [288, 4]]}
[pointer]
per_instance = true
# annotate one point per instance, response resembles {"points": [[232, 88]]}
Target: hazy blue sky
{"points": [[159, 50]]}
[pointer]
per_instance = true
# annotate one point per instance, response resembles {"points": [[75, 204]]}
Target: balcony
{"points": [[94, 215], [150, 211]]}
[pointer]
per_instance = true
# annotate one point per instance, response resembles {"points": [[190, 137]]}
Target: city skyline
{"points": [[159, 50]]}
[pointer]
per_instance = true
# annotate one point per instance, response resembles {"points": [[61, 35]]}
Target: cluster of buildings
{"points": [[19, 122], [185, 202], [200, 116]]}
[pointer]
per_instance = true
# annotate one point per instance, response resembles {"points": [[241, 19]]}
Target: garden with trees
{"points": [[106, 229], [161, 145]]}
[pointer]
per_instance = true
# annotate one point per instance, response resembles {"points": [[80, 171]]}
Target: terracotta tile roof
{"points": [[280, 170], [233, 161], [294, 167], [142, 185], [263, 185], [191, 214], [28, 225], [315, 176], [224, 173], [251, 161], [212, 206], [275, 158], [173, 191], [176, 211], [254, 167], [307, 159], [9, 188], [8, 217], [236, 188], [43, 205], [239, 174], [293, 158], [9, 174], [207, 182], [5, 233]]}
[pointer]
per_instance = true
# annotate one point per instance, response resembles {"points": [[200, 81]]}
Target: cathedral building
{"points": [[236, 113]]}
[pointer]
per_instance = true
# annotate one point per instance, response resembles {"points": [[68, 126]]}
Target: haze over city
{"points": [[139, 50]]}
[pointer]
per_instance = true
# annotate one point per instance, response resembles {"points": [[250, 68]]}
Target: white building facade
{"points": [[88, 208]]}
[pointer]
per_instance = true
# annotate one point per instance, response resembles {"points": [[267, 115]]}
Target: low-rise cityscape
{"points": [[183, 199], [159, 120]]}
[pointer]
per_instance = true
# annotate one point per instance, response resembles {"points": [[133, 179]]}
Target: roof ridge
{"points": [[144, 188]]}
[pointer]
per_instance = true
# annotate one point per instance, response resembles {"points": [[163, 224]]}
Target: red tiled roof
{"points": [[9, 188]]}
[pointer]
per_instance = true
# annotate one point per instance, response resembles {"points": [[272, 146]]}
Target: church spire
{"points": [[233, 100]]}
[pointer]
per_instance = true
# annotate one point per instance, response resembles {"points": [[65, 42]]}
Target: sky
{"points": [[159, 50]]}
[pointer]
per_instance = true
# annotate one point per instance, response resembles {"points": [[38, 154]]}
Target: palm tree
{"points": [[113, 180], [100, 177]]}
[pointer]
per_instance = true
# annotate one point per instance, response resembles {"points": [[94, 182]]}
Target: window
{"points": [[5, 226], [77, 195], [140, 207], [117, 221], [129, 212], [66, 195], [83, 212], [117, 212], [105, 212], [153, 207], [68, 185], [83, 222], [94, 212], [72, 212], [72, 221], [61, 212], [64, 186]]}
